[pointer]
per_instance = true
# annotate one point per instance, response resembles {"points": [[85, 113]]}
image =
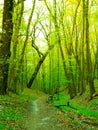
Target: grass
{"points": [[9, 113], [78, 105], [80, 115], [13, 109]]}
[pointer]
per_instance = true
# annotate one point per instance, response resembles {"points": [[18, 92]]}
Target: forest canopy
{"points": [[50, 45]]}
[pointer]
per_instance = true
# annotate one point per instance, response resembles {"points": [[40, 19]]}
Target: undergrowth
{"points": [[13, 109]]}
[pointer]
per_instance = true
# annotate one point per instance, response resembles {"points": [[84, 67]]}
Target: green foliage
{"points": [[64, 65], [2, 126], [13, 109], [63, 100]]}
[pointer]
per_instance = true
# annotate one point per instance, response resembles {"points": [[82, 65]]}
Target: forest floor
{"points": [[32, 112]]}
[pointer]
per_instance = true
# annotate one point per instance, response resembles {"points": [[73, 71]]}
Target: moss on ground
{"points": [[81, 115], [13, 110]]}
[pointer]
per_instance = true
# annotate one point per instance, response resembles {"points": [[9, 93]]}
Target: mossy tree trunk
{"points": [[7, 31], [88, 53], [12, 85]]}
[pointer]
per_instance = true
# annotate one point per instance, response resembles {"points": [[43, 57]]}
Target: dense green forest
{"points": [[50, 46]]}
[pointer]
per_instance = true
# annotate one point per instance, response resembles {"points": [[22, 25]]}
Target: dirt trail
{"points": [[41, 116]]}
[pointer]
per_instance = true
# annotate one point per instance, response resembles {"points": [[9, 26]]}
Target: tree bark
{"points": [[88, 54], [37, 68], [12, 79], [7, 31]]}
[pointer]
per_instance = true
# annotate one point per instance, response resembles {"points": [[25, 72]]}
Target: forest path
{"points": [[41, 116]]}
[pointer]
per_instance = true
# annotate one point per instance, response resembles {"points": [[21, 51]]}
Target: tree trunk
{"points": [[36, 70], [12, 79], [7, 31], [88, 54]]}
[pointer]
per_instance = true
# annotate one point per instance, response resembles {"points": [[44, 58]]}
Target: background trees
{"points": [[54, 47]]}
